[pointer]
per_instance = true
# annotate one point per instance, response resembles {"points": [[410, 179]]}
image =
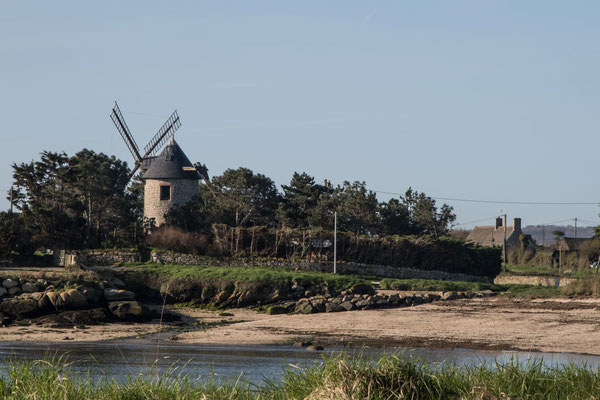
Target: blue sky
{"points": [[493, 100]]}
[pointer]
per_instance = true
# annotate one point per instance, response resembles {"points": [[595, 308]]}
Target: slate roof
{"points": [[490, 235], [171, 163], [572, 244]]}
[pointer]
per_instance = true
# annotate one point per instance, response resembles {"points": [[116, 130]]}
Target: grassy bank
{"points": [[435, 285], [336, 378]]}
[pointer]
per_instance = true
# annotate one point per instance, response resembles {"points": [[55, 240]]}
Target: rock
{"points": [[3, 291], [333, 307], [118, 295], [55, 299], [14, 291], [433, 296], [417, 300], [9, 283], [362, 304], [336, 300], [36, 295], [449, 296], [29, 287], [129, 310], [18, 308], [44, 302], [4, 320], [42, 283], [77, 299], [314, 347], [348, 306], [305, 308], [91, 295], [302, 344], [486, 293], [383, 303], [394, 299]]}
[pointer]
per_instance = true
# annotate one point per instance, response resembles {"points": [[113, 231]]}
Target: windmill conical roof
{"points": [[171, 163]]}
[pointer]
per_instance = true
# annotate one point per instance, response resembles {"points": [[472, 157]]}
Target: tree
{"points": [[72, 202], [300, 198], [424, 215], [357, 208], [558, 235], [395, 219], [241, 198], [14, 235]]}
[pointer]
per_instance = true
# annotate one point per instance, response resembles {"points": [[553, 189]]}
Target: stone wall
{"points": [[182, 191], [342, 267], [90, 257]]}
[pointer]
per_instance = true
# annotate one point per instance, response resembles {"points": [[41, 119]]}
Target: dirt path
{"points": [[493, 323]]}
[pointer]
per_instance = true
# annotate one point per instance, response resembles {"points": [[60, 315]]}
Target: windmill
{"points": [[164, 134], [170, 179]]}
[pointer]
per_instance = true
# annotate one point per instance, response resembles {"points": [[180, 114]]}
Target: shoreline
{"points": [[492, 324]]}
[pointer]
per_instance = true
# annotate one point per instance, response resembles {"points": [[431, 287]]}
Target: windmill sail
{"points": [[119, 122], [163, 135]]}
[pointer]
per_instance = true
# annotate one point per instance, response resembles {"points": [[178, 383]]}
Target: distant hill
{"points": [[537, 232]]}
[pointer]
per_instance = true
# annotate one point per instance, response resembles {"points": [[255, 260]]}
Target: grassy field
{"points": [[435, 285], [531, 270], [391, 377]]}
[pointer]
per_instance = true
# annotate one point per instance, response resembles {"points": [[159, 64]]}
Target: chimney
{"points": [[498, 223], [517, 224]]}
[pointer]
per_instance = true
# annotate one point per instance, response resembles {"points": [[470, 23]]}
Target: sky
{"points": [[480, 100]]}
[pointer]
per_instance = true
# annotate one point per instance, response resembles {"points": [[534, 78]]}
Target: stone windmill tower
{"points": [[170, 179]]}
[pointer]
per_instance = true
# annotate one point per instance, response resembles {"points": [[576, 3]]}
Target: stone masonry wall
{"points": [[342, 267], [182, 191]]}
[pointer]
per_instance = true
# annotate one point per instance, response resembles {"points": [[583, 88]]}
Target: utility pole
{"points": [[335, 242], [11, 199], [543, 235], [575, 235], [504, 244]]}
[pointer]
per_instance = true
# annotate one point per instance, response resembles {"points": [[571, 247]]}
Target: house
{"points": [[569, 245], [493, 235]]}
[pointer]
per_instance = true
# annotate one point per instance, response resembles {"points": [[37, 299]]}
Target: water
{"points": [[123, 361]]}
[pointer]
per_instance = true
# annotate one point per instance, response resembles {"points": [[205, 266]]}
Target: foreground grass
{"points": [[391, 377]]}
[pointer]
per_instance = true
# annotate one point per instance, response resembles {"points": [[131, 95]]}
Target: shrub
{"points": [[176, 239]]}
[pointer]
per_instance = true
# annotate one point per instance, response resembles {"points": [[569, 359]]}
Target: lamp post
{"points": [[335, 242]]}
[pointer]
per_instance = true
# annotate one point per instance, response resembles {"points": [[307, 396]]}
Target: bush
{"points": [[176, 239], [588, 286]]}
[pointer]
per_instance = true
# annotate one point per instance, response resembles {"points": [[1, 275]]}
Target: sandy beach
{"points": [[553, 325]]}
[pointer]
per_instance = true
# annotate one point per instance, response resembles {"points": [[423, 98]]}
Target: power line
{"points": [[474, 222], [502, 201]]}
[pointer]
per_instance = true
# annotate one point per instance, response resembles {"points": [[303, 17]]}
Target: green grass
{"points": [[440, 286], [337, 377], [531, 291], [529, 270], [274, 276]]}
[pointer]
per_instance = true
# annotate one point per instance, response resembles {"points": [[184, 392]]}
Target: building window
{"points": [[165, 192]]}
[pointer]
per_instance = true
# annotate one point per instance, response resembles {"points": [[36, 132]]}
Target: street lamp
{"points": [[335, 242]]}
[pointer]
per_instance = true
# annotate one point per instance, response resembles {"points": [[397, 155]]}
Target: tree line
{"points": [[87, 201]]}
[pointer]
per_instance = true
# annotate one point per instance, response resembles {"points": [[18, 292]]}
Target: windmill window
{"points": [[165, 192]]}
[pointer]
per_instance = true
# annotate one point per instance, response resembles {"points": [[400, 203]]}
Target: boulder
{"points": [[362, 304], [76, 299], [118, 295], [91, 295], [433, 296], [29, 287], [44, 302], [3, 291], [417, 300], [56, 300], [348, 306], [129, 310], [9, 283], [4, 320], [305, 308], [449, 296], [18, 308], [14, 291], [333, 307], [394, 299], [486, 293]]}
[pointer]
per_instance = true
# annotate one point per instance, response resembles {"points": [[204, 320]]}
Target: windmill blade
{"points": [[119, 122], [163, 135]]}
